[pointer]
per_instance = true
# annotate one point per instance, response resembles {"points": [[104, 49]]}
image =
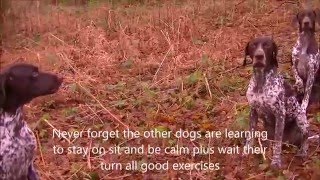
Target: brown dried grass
{"points": [[151, 48]]}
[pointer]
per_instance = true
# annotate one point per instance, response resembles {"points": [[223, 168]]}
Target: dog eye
{"points": [[266, 45], [35, 74]]}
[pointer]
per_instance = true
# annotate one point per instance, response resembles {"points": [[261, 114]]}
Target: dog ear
{"points": [[295, 20], [317, 15], [2, 89], [246, 53], [274, 61]]}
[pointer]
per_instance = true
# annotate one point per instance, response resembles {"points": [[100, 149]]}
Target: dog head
{"points": [[306, 20], [21, 83], [263, 52]]}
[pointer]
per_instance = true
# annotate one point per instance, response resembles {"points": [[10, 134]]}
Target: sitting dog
{"points": [[20, 84], [272, 99], [305, 56]]}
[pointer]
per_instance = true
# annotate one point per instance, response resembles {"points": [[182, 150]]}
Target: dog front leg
{"points": [[277, 147], [299, 81], [303, 125], [253, 124], [308, 89], [32, 173]]}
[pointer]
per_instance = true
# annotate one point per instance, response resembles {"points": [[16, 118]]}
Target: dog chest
{"points": [[267, 99], [307, 63], [302, 66], [16, 149]]}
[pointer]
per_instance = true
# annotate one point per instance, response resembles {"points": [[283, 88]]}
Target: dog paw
{"points": [[276, 164], [301, 154], [244, 154], [299, 87]]}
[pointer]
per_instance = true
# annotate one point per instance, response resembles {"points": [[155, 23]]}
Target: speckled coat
{"points": [[280, 111], [305, 64], [17, 147], [19, 84]]}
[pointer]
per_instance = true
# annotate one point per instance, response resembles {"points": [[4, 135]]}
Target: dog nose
{"points": [[59, 79], [259, 57], [306, 23]]}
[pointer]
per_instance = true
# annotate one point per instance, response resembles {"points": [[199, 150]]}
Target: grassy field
{"points": [[145, 65]]}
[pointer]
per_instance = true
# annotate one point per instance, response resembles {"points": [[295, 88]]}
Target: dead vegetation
{"points": [[144, 65]]}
